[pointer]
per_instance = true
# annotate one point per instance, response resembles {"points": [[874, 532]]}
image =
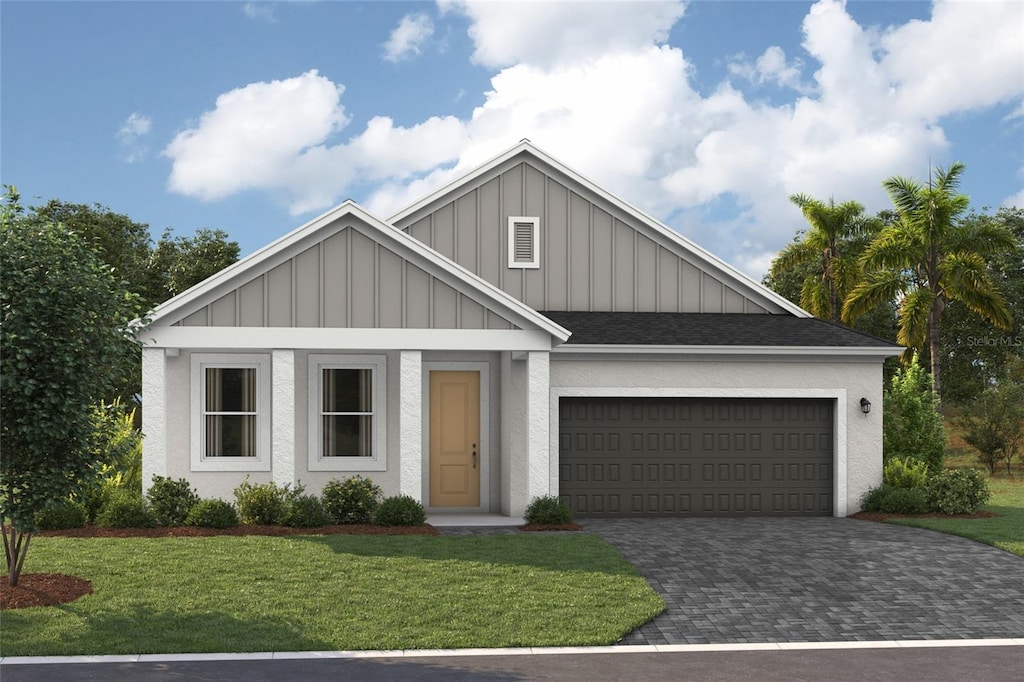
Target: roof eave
{"points": [[653, 349]]}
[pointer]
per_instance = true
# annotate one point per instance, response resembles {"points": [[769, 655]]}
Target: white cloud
{"points": [[544, 33], [596, 86], [1014, 200], [409, 37], [263, 11], [130, 135]]}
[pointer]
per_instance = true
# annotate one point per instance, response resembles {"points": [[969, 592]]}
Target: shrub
{"points": [[306, 511], [548, 510], [958, 491], [889, 499], [125, 509], [400, 511], [351, 501], [913, 425], [264, 504], [212, 514], [67, 514], [171, 500], [905, 472]]}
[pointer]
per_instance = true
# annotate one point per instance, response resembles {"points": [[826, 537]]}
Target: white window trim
{"points": [[199, 363], [378, 365], [512, 262]]}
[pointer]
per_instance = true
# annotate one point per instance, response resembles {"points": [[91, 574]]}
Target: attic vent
{"points": [[523, 242]]}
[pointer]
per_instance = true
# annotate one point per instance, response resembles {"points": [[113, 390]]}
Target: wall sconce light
{"points": [[865, 405]]}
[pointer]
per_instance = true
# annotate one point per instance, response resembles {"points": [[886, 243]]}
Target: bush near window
{"points": [[889, 499], [351, 501], [548, 510], [905, 472], [957, 491], [306, 511], [212, 514], [125, 509], [264, 504], [171, 500], [66, 514], [401, 510]]}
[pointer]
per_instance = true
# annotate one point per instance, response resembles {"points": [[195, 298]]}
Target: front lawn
{"points": [[1006, 530], [341, 592]]}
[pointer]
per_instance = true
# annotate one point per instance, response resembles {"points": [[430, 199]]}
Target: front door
{"points": [[454, 439]]}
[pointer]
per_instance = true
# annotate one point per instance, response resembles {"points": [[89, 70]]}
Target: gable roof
{"points": [[262, 260], [527, 150], [712, 329]]}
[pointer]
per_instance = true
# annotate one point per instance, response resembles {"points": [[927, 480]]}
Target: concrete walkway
{"points": [[817, 580]]}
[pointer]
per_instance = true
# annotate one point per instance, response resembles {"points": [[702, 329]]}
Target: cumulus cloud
{"points": [[130, 137], [597, 86], [263, 11], [409, 37]]}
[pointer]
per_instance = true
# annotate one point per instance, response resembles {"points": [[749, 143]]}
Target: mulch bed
{"points": [[879, 516], [550, 526], [42, 589]]}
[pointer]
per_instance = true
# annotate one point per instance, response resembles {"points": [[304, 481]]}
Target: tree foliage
{"points": [[179, 263], [913, 425], [976, 353], [64, 332], [994, 423], [927, 258]]}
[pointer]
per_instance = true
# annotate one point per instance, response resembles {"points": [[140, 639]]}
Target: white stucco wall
{"points": [[858, 436]]}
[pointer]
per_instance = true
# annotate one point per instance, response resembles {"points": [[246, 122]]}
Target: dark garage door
{"points": [[696, 456]]}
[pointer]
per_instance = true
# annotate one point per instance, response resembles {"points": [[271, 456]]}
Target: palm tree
{"points": [[837, 236], [928, 257]]}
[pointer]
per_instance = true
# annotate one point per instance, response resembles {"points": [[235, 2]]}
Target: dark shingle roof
{"points": [[709, 329]]}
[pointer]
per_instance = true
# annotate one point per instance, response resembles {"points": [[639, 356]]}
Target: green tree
{"points": [[927, 258], [837, 236], [65, 321], [976, 354], [182, 262], [913, 425]]}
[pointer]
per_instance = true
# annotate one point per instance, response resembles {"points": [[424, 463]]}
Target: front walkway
{"points": [[816, 580]]}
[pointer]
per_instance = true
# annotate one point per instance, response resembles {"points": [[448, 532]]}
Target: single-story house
{"points": [[520, 332]]}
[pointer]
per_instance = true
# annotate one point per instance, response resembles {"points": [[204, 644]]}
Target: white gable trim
{"points": [[481, 291], [654, 225]]}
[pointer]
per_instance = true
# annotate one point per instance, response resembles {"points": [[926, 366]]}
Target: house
{"points": [[520, 332]]}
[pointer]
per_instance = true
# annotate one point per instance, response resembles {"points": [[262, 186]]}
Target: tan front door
{"points": [[454, 439]]}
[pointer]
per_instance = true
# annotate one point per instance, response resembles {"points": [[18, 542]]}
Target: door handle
{"points": [[474, 455]]}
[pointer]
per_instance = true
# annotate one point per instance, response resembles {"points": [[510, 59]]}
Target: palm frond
{"points": [[912, 318], [983, 238], [965, 278], [815, 299], [882, 286], [895, 247]]}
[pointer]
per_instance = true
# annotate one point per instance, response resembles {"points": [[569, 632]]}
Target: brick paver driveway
{"points": [[821, 579]]}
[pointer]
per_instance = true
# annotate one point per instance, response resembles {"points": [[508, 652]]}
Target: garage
{"points": [[622, 457]]}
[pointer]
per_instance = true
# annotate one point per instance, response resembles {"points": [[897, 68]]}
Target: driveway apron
{"points": [[816, 579]]}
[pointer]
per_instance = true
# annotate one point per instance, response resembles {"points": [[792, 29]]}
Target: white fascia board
{"points": [[654, 224], [346, 339], [481, 291], [636, 349]]}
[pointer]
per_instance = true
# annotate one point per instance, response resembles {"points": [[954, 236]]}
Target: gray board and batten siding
{"points": [[346, 280], [593, 256]]}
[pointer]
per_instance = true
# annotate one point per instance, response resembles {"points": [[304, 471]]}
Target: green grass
{"points": [[1005, 531], [238, 594]]}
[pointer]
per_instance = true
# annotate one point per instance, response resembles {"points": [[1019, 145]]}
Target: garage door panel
{"points": [[697, 456]]}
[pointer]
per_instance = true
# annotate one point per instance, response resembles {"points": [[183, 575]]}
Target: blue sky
{"points": [[256, 117]]}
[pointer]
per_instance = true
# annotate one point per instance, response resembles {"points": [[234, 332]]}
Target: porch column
{"points": [[282, 424], [154, 415], [538, 408], [410, 424]]}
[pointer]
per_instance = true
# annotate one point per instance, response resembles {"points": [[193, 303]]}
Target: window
{"points": [[231, 412], [347, 426], [523, 242]]}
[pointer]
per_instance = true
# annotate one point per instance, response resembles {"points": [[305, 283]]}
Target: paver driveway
{"points": [[819, 579]]}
